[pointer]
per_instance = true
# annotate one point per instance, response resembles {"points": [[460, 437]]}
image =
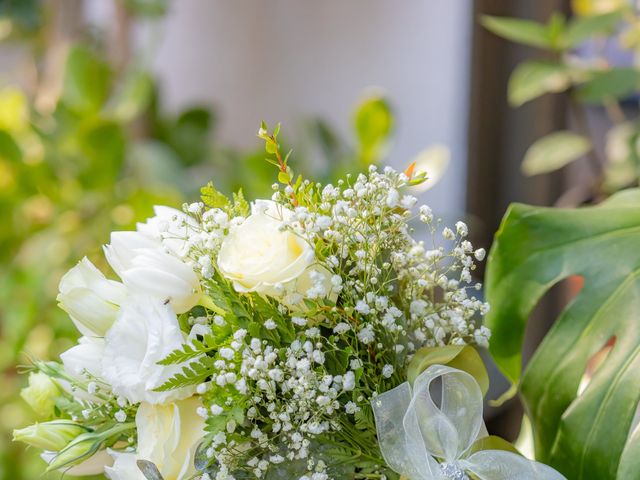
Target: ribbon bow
{"points": [[423, 441]]}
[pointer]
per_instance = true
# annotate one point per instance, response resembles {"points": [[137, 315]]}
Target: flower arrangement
{"points": [[249, 340]]}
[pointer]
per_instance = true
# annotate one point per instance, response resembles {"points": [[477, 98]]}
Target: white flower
{"points": [[168, 436], [90, 299], [349, 382], [366, 334], [171, 227], [144, 333], [145, 267], [86, 357], [351, 408], [362, 307], [259, 256]]}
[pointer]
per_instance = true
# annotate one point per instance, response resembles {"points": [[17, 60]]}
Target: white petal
{"points": [[144, 333]]}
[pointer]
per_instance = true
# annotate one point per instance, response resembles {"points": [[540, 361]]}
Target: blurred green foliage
{"points": [[94, 156], [582, 59]]}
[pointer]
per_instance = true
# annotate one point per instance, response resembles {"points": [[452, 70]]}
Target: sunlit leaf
{"points": [[373, 123], [492, 442], [14, 110], [462, 357], [554, 151], [534, 78]]}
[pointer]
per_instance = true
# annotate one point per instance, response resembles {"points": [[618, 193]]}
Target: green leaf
{"points": [[584, 28], [194, 373], [582, 435], [526, 32], [283, 177], [212, 197], [616, 83], [554, 151], [492, 442], [86, 81], [240, 204], [373, 123], [462, 357], [630, 459], [534, 78], [555, 29]]}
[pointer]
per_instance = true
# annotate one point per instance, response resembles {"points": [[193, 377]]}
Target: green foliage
{"points": [[557, 34], [527, 32], [212, 197], [554, 151], [373, 122], [610, 85], [593, 80], [194, 373], [581, 433], [86, 81]]}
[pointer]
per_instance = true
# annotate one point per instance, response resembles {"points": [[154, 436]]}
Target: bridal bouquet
{"points": [[250, 340]]}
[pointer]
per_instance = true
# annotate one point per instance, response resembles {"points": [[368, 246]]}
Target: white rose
{"points": [[90, 299], [171, 227], [145, 267], [145, 332], [260, 257], [168, 436]]}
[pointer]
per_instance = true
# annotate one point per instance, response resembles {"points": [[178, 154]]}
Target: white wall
{"points": [[282, 60]]}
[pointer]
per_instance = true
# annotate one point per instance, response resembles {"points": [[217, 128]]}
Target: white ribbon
{"points": [[423, 441]]}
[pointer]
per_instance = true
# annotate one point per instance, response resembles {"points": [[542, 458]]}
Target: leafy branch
{"points": [[272, 147]]}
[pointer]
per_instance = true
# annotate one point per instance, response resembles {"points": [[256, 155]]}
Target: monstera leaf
{"points": [[583, 432]]}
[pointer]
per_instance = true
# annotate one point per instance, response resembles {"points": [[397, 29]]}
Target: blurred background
{"points": [[108, 107]]}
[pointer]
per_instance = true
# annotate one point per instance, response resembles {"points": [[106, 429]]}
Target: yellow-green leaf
{"points": [[554, 151], [526, 32], [373, 123], [535, 78], [492, 442], [462, 357]]}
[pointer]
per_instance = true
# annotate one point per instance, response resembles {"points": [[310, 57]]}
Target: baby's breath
{"points": [[291, 384]]}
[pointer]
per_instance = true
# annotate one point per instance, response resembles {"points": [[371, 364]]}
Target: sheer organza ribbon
{"points": [[423, 441]]}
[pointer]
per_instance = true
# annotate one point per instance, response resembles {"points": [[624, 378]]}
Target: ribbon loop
{"points": [[423, 440]]}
